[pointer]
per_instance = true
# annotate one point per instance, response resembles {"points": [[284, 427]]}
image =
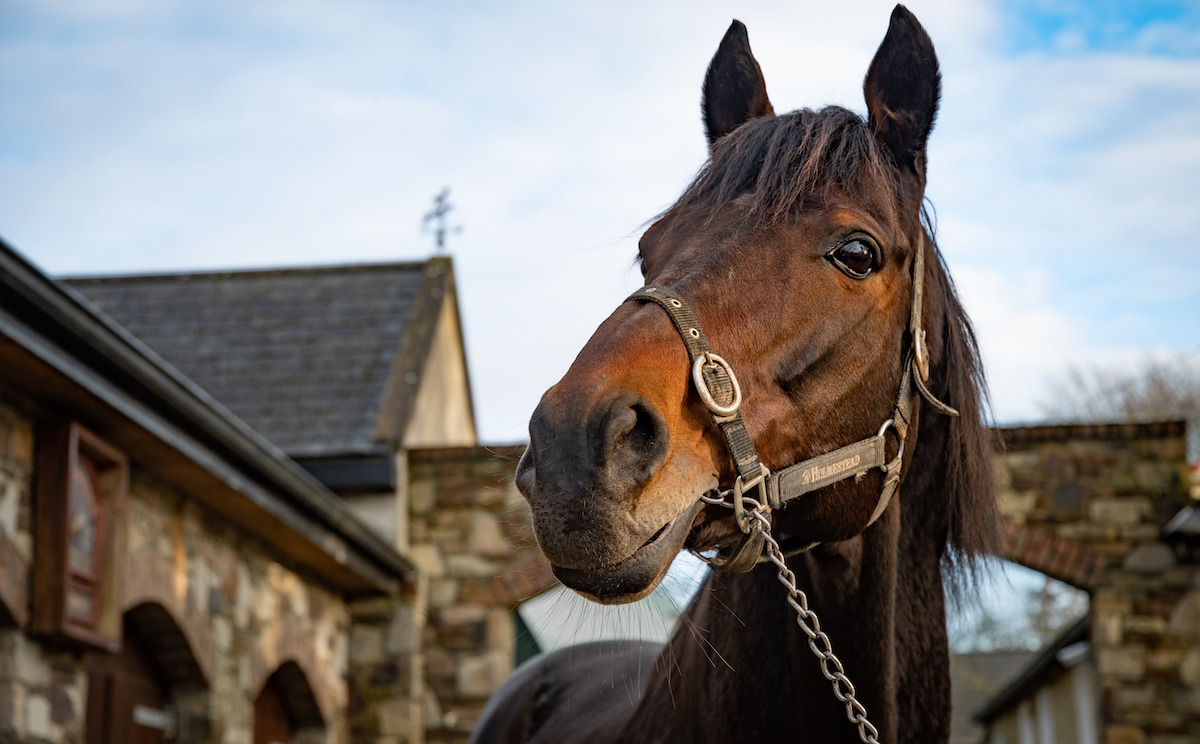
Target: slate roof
{"points": [[304, 356]]}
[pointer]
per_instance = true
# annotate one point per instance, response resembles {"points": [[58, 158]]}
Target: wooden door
{"points": [[271, 725], [127, 697]]}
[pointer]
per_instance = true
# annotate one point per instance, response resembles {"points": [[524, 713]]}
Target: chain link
{"points": [[818, 642]]}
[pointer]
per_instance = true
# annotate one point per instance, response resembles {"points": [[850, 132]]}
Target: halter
{"points": [[718, 388]]}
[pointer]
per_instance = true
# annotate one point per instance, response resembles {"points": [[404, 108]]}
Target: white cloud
{"points": [[296, 133], [1023, 337]]}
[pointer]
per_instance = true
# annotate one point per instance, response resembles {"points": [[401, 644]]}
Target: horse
{"points": [[795, 394]]}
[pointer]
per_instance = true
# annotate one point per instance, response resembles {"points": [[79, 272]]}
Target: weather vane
{"points": [[437, 216]]}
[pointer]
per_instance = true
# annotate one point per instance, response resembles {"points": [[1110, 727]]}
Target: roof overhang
{"points": [[73, 362], [353, 473]]}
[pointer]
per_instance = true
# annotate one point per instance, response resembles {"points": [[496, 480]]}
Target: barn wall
{"points": [[214, 598], [1086, 505], [243, 613]]}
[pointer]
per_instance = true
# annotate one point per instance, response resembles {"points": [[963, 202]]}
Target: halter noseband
{"points": [[718, 388]]}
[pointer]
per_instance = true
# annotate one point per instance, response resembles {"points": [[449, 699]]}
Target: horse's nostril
{"points": [[524, 478], [636, 441], [644, 429]]}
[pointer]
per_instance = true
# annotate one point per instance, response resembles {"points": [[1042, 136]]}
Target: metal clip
{"points": [[743, 516]]}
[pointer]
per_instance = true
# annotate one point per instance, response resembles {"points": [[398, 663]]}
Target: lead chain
{"points": [[831, 666]]}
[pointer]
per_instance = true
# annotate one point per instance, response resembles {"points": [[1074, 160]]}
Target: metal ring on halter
{"points": [[702, 386], [893, 466], [889, 424]]}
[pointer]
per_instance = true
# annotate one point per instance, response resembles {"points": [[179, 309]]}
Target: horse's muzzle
{"points": [[583, 476], [637, 575]]}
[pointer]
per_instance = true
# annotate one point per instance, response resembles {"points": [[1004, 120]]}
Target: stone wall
{"points": [[473, 543], [1086, 505], [219, 614], [386, 689], [242, 614]]}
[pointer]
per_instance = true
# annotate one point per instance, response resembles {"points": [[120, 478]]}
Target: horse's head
{"points": [[795, 247]]}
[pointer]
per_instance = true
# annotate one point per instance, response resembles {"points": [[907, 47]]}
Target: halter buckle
{"points": [[712, 360]]}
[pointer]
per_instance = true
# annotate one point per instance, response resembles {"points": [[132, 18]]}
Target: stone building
{"points": [[1106, 509], [358, 375], [473, 541], [166, 572]]}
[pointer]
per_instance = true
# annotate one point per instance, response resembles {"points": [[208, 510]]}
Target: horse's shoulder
{"points": [[583, 689]]}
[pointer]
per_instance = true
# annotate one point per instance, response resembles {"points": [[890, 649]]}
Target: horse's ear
{"points": [[902, 90], [734, 89]]}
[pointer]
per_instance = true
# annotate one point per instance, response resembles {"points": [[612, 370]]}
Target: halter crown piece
{"points": [[718, 388]]}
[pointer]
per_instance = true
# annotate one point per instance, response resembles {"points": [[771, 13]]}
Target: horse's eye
{"points": [[855, 258]]}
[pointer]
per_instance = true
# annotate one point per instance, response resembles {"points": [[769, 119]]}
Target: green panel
{"points": [[526, 646]]}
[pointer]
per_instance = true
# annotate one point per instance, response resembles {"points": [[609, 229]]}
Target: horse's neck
{"points": [[739, 667], [742, 666]]}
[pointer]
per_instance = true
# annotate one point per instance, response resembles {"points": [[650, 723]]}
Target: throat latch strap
{"points": [[825, 470]]}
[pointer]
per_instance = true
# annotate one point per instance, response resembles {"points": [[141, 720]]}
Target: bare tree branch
{"points": [[1155, 389]]}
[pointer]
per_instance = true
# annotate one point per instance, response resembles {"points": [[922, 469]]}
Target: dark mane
{"points": [[791, 161], [968, 489]]}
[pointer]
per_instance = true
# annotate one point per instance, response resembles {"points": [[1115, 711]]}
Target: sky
{"points": [[160, 136]]}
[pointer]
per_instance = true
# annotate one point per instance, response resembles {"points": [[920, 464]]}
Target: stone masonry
{"points": [[474, 546], [204, 595], [1086, 505], [242, 614], [384, 676]]}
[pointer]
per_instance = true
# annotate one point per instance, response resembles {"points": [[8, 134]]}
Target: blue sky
{"points": [[140, 135], [1085, 26]]}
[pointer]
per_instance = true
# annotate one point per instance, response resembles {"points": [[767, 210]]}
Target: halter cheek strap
{"points": [[718, 388]]}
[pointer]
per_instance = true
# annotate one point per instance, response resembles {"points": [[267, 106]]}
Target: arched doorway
{"points": [[285, 709], [271, 723], [128, 696], [152, 691]]}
